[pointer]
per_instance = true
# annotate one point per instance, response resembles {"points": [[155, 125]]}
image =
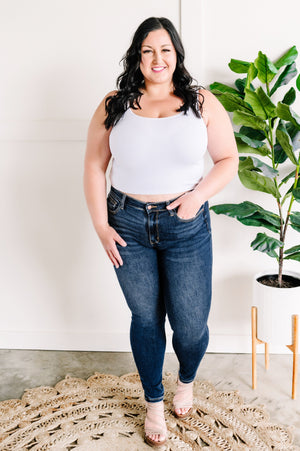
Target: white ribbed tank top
{"points": [[157, 155]]}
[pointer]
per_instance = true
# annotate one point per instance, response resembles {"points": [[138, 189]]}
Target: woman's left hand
{"points": [[189, 204]]}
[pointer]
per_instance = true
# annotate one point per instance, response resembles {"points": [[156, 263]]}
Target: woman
{"points": [[154, 224]]}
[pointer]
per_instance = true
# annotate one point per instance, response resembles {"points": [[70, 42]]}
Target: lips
{"points": [[158, 68]]}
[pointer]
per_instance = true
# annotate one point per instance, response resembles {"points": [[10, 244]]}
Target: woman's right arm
{"points": [[97, 158]]}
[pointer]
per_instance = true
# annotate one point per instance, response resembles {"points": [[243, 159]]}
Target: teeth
{"points": [[157, 69]]}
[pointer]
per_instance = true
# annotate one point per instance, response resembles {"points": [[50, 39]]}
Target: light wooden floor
{"points": [[21, 369]]}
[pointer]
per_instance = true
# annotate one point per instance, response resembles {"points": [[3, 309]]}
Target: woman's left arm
{"points": [[223, 151]]}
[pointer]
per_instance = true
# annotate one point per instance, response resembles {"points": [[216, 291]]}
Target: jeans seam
{"points": [[206, 222]]}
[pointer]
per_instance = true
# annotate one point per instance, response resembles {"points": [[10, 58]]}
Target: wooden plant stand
{"points": [[293, 347]]}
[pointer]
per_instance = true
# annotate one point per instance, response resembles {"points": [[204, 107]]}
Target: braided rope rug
{"points": [[107, 413]]}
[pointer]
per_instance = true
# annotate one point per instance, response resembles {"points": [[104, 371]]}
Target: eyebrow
{"points": [[145, 45]]}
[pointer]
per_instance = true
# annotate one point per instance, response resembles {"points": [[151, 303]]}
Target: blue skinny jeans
{"points": [[167, 270]]}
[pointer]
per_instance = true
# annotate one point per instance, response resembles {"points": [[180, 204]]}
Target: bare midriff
{"points": [[154, 197]]}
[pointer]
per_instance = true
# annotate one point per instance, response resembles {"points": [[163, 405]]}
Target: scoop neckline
{"points": [[157, 118]]}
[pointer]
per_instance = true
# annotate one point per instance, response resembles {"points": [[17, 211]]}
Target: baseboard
{"points": [[116, 342]]}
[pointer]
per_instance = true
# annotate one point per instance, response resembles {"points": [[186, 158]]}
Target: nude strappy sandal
{"points": [[183, 399], [155, 423]]}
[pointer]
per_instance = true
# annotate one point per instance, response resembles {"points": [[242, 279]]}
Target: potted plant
{"points": [[268, 141]]}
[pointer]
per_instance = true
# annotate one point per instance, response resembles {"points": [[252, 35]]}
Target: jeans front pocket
{"points": [[199, 212]]}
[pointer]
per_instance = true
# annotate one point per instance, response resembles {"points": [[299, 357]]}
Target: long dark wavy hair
{"points": [[132, 79]]}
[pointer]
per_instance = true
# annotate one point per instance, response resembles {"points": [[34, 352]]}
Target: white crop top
{"points": [[157, 155]]}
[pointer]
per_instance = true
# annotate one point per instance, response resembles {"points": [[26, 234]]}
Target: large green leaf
{"points": [[266, 244], [297, 228], [295, 256], [244, 148], [279, 154], [252, 163], [220, 87], [248, 120], [296, 191], [257, 182], [250, 214], [260, 103], [231, 102], [289, 97], [287, 114], [251, 75], [257, 221], [256, 143], [295, 218], [294, 133], [250, 145], [285, 141], [240, 84], [289, 72], [252, 99], [287, 58], [265, 67], [239, 66], [296, 194], [242, 210], [251, 133], [268, 105], [298, 82], [292, 250], [295, 221]]}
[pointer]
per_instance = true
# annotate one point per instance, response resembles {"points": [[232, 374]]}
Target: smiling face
{"points": [[158, 57]]}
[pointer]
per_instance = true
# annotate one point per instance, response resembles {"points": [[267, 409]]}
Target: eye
{"points": [[146, 51], [166, 50]]}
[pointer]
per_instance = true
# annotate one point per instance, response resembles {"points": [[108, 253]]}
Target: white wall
{"points": [[59, 58]]}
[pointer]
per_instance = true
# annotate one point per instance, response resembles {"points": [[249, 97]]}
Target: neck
{"points": [[158, 91]]}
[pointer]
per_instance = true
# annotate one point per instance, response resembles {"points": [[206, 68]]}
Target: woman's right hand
{"points": [[109, 237]]}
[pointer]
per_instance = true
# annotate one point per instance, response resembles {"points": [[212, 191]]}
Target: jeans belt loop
{"points": [[123, 201]]}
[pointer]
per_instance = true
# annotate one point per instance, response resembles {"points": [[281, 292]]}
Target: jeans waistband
{"points": [[124, 198]]}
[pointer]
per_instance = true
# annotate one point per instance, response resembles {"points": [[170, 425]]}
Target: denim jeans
{"points": [[167, 269]]}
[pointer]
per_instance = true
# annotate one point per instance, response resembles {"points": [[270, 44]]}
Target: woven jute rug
{"points": [[107, 412]]}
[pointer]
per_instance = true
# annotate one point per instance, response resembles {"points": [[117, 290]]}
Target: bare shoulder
{"points": [[100, 112], [212, 108], [98, 150], [210, 100]]}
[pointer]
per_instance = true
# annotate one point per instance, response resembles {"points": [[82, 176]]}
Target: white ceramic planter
{"points": [[275, 308]]}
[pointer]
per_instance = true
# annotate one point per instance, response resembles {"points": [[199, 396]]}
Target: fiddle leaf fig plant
{"points": [[267, 138]]}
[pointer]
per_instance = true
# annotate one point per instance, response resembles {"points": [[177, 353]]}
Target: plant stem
{"points": [[282, 224], [286, 223], [282, 234]]}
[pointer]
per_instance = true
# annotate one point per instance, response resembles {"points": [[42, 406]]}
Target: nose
{"points": [[157, 58]]}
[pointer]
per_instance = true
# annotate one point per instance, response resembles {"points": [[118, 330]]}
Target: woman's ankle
{"points": [[183, 399], [155, 424]]}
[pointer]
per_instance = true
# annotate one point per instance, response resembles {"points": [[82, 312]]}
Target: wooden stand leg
{"points": [[254, 336], [256, 341], [294, 348], [267, 360]]}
